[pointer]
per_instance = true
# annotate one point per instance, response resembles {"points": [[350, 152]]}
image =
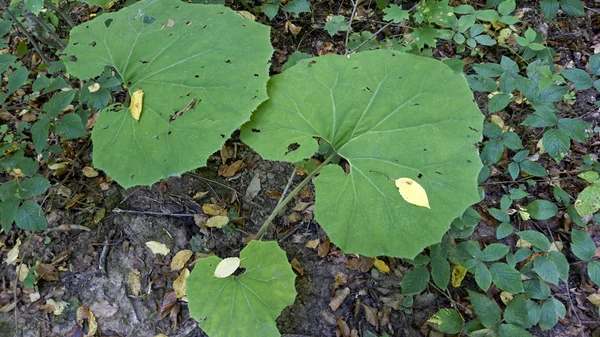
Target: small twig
{"points": [[61, 13], [287, 186], [354, 6], [67, 227], [29, 37], [104, 253], [369, 38], [118, 210], [290, 233]]}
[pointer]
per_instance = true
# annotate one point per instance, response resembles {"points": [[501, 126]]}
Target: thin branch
{"points": [[182, 215], [355, 5], [60, 12], [369, 38], [59, 43]]}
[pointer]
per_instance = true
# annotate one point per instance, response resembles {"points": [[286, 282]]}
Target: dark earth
{"points": [[98, 230]]}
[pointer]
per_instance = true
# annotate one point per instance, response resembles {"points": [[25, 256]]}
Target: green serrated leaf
{"points": [[580, 78], [562, 265], [504, 229], [594, 62], [71, 126], [536, 289], [593, 269], [506, 278], [244, 305], [8, 211], [440, 272], [486, 310], [510, 330], [572, 7], [395, 14], [588, 200], [582, 245], [546, 269], [516, 311], [415, 281], [297, 6], [30, 216], [447, 321], [178, 54], [349, 104], [549, 8], [59, 102], [483, 276], [36, 185], [511, 140], [35, 6], [557, 143], [534, 169], [498, 102], [537, 239], [336, 23], [542, 209], [493, 252], [552, 309]]}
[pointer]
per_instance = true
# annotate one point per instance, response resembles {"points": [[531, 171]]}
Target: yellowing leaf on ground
{"points": [[85, 317], [218, 221], [135, 282], [13, 254], [135, 107], [179, 283], [506, 297], [212, 209], [180, 259], [312, 244], [57, 307], [412, 192], [381, 266], [458, 274], [89, 172], [22, 272], [595, 299], [227, 267], [158, 248]]}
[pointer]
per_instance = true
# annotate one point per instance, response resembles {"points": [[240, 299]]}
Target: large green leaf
{"points": [[177, 53], [244, 305], [389, 115]]}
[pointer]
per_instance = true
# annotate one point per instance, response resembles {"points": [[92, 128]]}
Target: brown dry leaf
{"points": [[213, 209], [158, 248], [371, 315], [13, 254], [167, 304], [103, 309], [179, 283], [323, 248], [29, 117], [290, 27], [341, 279], [34, 297], [294, 217], [135, 282], [248, 238], [200, 220], [161, 335], [137, 99], [89, 172], [458, 274], [297, 266], [218, 221], [306, 193], [73, 201], [273, 194], [301, 206], [85, 317], [338, 298], [384, 316], [381, 266], [342, 328], [231, 169], [312, 244], [227, 152], [47, 271], [595, 299], [180, 259], [55, 307]]}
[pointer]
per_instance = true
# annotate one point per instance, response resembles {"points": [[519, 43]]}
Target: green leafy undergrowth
{"points": [[202, 68], [388, 115], [246, 304]]}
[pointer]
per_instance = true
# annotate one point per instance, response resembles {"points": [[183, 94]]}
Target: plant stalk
{"points": [[296, 190]]}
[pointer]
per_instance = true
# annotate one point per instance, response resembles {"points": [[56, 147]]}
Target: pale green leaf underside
{"points": [[390, 115], [175, 52], [244, 305]]}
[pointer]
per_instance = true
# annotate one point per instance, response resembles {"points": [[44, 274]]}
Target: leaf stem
{"points": [[293, 193]]}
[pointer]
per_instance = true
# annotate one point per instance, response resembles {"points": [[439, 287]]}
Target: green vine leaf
{"points": [[244, 305], [202, 68], [388, 115]]}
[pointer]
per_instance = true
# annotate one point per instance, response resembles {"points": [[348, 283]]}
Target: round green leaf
{"points": [[542, 209], [486, 309], [388, 115], [415, 281], [244, 305], [546, 269], [506, 278], [582, 245], [178, 54], [537, 239], [447, 321]]}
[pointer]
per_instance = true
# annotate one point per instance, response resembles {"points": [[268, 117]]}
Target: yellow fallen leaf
{"points": [[381, 266], [34, 297], [158, 248], [135, 107], [180, 259], [412, 192], [57, 307], [22, 271], [161, 335], [227, 267], [13, 254], [218, 221], [506, 297], [595, 299], [312, 244], [1, 244], [458, 274], [86, 317], [557, 246], [179, 283], [89, 172]]}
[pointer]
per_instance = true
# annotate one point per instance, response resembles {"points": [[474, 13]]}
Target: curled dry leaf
{"points": [[230, 170], [297, 266], [179, 283], [212, 209], [371, 315], [47, 271], [338, 299], [104, 309], [137, 99], [135, 282], [594, 299], [412, 192], [85, 317], [56, 307], [13, 253], [381, 266], [218, 221], [227, 267], [168, 302], [180, 259], [158, 248], [89, 172], [458, 274], [312, 244], [93, 87]]}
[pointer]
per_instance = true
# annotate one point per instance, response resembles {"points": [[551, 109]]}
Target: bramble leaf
{"points": [[381, 111], [244, 305], [203, 70]]}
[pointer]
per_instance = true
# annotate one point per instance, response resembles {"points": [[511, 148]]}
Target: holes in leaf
{"points": [[354, 68], [256, 75], [196, 76], [310, 64], [440, 173], [75, 43], [394, 54], [108, 22], [291, 148], [239, 271], [228, 61], [415, 104], [93, 43], [222, 136], [424, 149], [188, 23], [420, 175], [473, 129], [169, 133], [255, 130], [72, 58], [367, 89], [143, 62]]}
